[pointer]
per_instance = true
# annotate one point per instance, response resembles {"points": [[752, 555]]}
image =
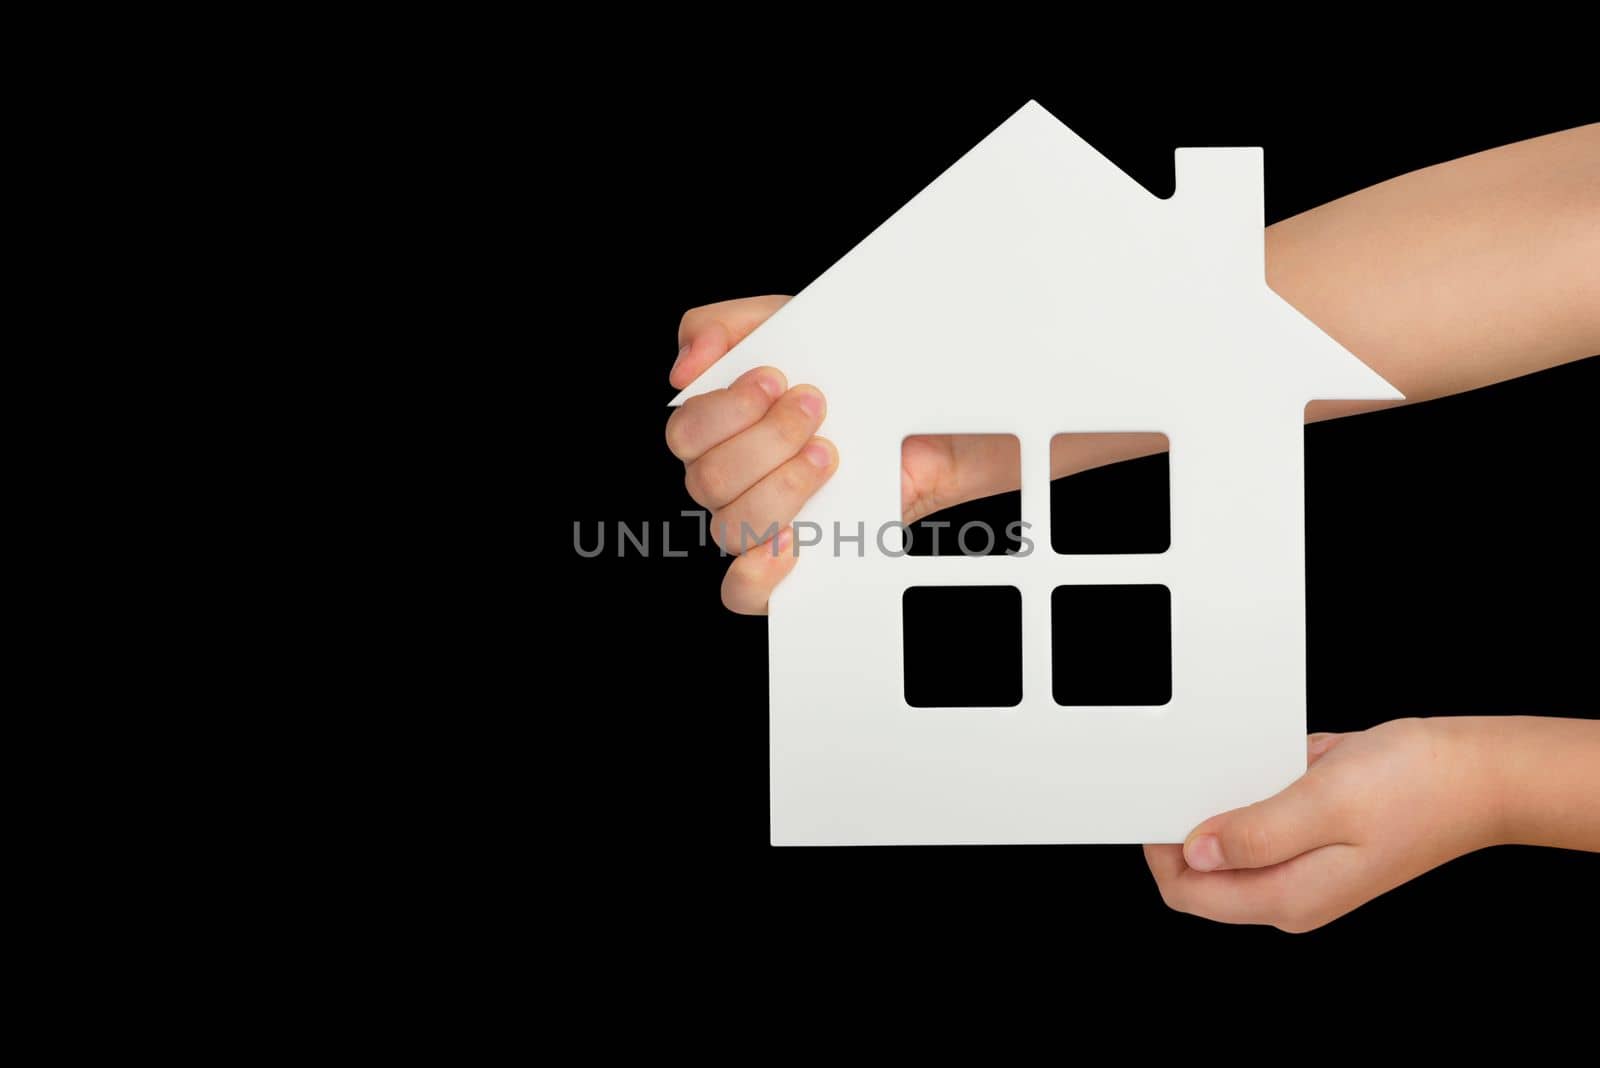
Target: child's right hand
{"points": [[750, 452]]}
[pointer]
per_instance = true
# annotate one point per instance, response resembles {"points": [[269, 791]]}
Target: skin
{"points": [[1443, 280], [1379, 807]]}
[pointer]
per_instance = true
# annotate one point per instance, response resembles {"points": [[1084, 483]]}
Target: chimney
{"points": [[1221, 208]]}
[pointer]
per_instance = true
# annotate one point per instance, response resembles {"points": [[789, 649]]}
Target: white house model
{"points": [[1034, 289]]}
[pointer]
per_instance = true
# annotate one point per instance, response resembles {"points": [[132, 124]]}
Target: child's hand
{"points": [[1373, 810], [751, 457]]}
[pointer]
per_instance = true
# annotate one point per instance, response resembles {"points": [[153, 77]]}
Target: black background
{"points": [[1451, 563]]}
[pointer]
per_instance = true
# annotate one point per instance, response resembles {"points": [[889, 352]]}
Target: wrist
{"points": [[1535, 777], [1468, 759]]}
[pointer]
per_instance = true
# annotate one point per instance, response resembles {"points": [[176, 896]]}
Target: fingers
{"points": [[1304, 893], [773, 502], [723, 473], [712, 418], [1224, 896], [1291, 822], [752, 577], [1210, 894], [748, 450], [698, 352], [1166, 861], [707, 333]]}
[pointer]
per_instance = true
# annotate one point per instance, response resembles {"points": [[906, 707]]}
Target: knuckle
{"points": [[687, 322], [1255, 842], [739, 591], [793, 424], [794, 479], [677, 435], [750, 404], [708, 483], [694, 480], [1169, 894], [1338, 804]]}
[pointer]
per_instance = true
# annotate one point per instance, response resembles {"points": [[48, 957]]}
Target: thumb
{"points": [[707, 333], [710, 344], [1268, 832]]}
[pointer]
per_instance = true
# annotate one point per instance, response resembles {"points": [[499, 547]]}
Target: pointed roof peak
{"points": [[1033, 119]]}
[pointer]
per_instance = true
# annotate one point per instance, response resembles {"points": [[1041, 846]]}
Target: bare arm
{"points": [[1544, 777], [1443, 280]]}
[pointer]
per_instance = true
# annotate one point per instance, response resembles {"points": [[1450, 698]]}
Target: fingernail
{"points": [[811, 403], [770, 386], [781, 543], [818, 454], [676, 362], [1203, 853]]}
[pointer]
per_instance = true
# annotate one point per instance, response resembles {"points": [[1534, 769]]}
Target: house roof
{"points": [[1034, 261]]}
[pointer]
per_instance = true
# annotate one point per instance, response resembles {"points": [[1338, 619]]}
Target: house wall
{"points": [[1041, 772]]}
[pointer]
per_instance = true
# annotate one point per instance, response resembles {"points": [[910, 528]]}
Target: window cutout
{"points": [[1111, 645], [963, 646], [990, 526], [1110, 506]]}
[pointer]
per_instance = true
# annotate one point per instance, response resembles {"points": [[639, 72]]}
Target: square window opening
{"points": [[988, 526], [1120, 499], [963, 646], [1111, 645]]}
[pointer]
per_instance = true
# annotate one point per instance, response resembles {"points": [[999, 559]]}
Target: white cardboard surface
{"points": [[1034, 289]]}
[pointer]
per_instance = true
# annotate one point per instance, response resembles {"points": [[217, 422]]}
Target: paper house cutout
{"points": [[1035, 289]]}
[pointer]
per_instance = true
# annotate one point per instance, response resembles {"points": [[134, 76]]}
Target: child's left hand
{"points": [[1374, 809]]}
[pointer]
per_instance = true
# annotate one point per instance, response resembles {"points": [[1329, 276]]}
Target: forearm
{"points": [[1530, 780], [1459, 275], [1443, 280]]}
